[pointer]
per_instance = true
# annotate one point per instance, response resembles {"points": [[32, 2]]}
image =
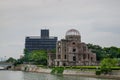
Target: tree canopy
{"points": [[106, 52], [107, 64], [35, 56], [11, 60], [38, 56]]}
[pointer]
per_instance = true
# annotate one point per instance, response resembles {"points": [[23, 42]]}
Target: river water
{"points": [[19, 75]]}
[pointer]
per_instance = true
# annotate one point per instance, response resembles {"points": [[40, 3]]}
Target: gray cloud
{"points": [[97, 21], [115, 29]]}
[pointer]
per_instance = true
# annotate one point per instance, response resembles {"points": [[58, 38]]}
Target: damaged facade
{"points": [[71, 51]]}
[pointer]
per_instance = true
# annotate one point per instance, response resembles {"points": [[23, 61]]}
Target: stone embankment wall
{"points": [[88, 73], [79, 72], [34, 68]]}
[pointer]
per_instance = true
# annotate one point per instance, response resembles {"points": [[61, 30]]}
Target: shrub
{"points": [[57, 70], [98, 72], [81, 67], [107, 64], [53, 71], [115, 68]]}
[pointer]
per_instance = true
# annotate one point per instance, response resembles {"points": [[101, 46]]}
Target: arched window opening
{"points": [[73, 43], [65, 56], [64, 64], [84, 56], [74, 50], [88, 56], [91, 58], [59, 49], [59, 57], [74, 58]]}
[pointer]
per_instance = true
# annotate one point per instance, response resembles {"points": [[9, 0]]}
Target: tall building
{"points": [[43, 42], [71, 51], [44, 33]]}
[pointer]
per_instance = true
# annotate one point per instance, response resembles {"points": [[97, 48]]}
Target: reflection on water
{"points": [[11, 75], [19, 75]]}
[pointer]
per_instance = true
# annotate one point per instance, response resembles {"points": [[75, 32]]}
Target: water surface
{"points": [[19, 75]]}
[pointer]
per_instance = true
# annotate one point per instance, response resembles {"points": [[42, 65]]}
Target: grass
{"points": [[89, 67], [82, 67]]}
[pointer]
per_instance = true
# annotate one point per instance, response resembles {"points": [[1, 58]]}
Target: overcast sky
{"points": [[98, 21]]}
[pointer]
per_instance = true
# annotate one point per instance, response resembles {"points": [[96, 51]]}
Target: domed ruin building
{"points": [[71, 51]]}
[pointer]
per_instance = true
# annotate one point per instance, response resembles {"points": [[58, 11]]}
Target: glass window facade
{"points": [[40, 43]]}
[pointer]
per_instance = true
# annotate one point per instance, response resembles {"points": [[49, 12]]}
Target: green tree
{"points": [[111, 52], [98, 50], [39, 57], [106, 52], [11, 60], [118, 52], [26, 51], [107, 64], [26, 56]]}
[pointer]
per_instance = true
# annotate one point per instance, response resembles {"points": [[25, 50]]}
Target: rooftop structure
{"points": [[72, 32]]}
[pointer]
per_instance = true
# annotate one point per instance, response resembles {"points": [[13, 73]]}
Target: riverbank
{"points": [[90, 73], [77, 72]]}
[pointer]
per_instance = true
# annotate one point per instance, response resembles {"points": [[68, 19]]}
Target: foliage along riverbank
{"points": [[40, 56]]}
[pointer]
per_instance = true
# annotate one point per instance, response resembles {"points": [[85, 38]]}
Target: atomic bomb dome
{"points": [[72, 32], [72, 52]]}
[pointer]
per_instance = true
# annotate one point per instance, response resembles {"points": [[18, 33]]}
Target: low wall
{"points": [[34, 68], [87, 72], [114, 75], [78, 72]]}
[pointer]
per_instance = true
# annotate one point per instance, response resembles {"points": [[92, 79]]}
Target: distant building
{"points": [[71, 51], [43, 42]]}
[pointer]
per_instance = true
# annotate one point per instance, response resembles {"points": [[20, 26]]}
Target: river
{"points": [[19, 75]]}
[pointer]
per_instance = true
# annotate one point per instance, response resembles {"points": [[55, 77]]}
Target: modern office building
{"points": [[43, 42]]}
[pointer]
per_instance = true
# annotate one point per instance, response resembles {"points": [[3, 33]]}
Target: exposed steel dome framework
{"points": [[72, 32]]}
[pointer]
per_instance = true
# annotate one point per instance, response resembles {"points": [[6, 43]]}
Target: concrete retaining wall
{"points": [[89, 73], [114, 75], [34, 68], [78, 72]]}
